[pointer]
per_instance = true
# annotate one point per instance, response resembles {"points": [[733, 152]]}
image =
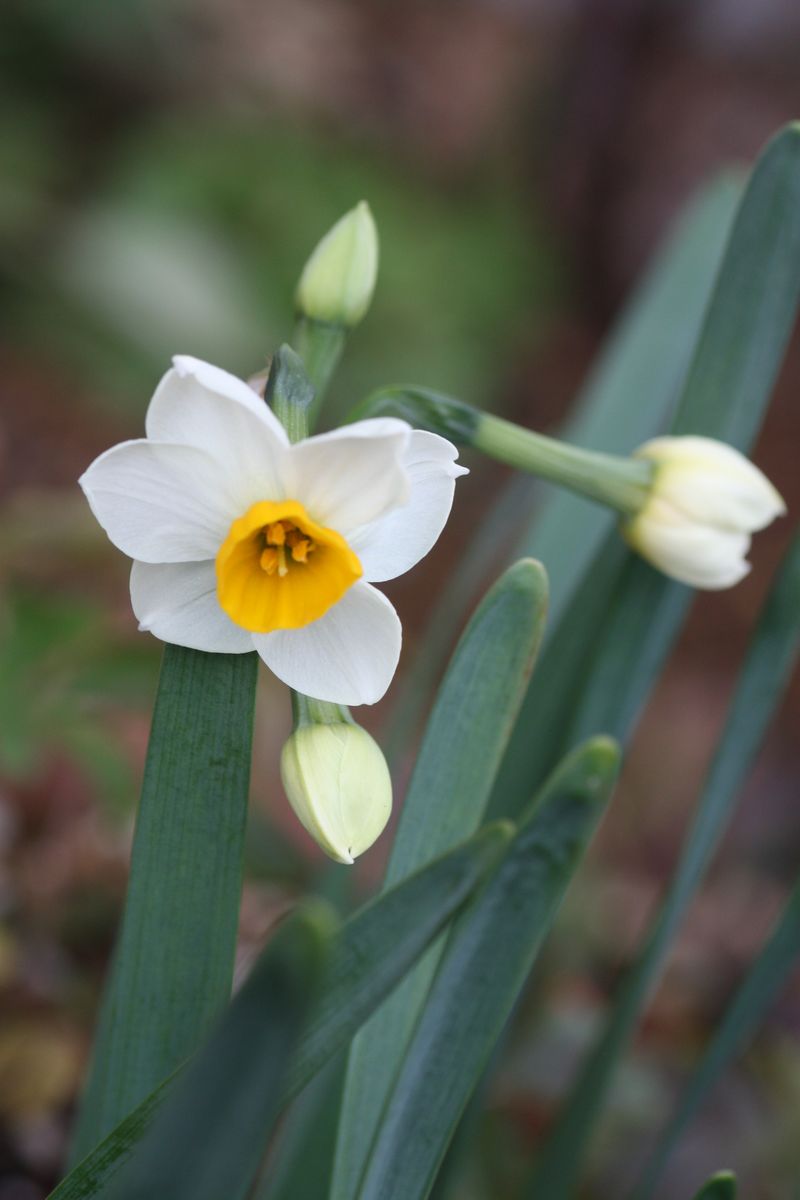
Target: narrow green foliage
{"points": [[763, 981], [173, 965], [464, 742], [538, 740], [394, 928], [625, 400], [721, 1186], [373, 951], [488, 957], [643, 611], [289, 392], [764, 676], [208, 1138], [752, 310], [301, 1162], [635, 382]]}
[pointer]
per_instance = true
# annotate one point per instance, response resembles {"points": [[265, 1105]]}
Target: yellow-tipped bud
{"points": [[338, 784], [339, 278], [705, 501]]}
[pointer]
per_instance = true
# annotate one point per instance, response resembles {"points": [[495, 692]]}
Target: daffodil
{"points": [[243, 541], [705, 501]]}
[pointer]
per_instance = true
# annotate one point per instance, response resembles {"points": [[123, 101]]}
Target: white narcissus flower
{"points": [[706, 500], [243, 541]]}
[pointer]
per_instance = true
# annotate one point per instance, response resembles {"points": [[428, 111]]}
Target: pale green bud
{"points": [[339, 278], [338, 784]]}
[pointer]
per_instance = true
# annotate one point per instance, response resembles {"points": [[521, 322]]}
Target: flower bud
{"points": [[338, 783], [705, 501], [339, 278]]}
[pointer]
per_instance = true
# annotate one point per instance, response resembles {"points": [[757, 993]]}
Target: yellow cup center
{"points": [[278, 569]]}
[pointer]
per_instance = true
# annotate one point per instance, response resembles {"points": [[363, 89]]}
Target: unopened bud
{"points": [[705, 502], [338, 784], [338, 280]]}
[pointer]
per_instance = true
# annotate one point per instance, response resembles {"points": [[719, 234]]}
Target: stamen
{"points": [[276, 533], [269, 560], [300, 549]]}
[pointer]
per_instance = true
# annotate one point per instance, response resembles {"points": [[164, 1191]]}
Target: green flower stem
{"points": [[621, 483], [320, 347], [308, 711]]}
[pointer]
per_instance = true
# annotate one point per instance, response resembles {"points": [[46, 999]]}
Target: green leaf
{"points": [[464, 741], [635, 382], [393, 928], [639, 618], [739, 1023], [489, 954], [301, 1163], [209, 1137], [173, 966], [625, 400], [752, 310], [372, 953], [721, 1186], [762, 682]]}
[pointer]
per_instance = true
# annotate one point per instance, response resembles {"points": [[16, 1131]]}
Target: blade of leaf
{"points": [[208, 1138], [625, 400], [463, 744], [762, 682], [619, 668], [636, 381], [742, 1017], [302, 1161], [173, 966], [489, 954], [374, 950], [721, 1186]]}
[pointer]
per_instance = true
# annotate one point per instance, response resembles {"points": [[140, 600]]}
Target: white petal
{"points": [[160, 503], [392, 545], [713, 482], [203, 406], [177, 602], [692, 553], [351, 475], [735, 502], [347, 657], [172, 416]]}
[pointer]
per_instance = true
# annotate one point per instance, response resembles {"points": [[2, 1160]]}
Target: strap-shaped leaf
{"points": [[373, 951], [742, 1017], [636, 382], [464, 742], [488, 957], [620, 662], [721, 1186], [209, 1136], [173, 964], [764, 677], [625, 400]]}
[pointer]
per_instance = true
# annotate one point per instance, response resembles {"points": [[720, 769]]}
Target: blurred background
{"points": [[165, 169]]}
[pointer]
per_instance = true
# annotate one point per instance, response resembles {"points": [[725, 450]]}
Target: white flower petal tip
{"points": [[338, 280], [705, 502], [338, 783]]}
